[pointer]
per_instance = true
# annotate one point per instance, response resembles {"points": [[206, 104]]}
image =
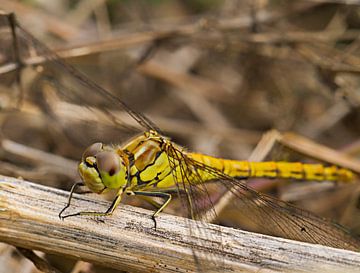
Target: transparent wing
{"points": [[269, 215], [62, 110], [193, 199], [59, 83]]}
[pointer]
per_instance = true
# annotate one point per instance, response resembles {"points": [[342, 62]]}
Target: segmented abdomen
{"points": [[272, 169]]}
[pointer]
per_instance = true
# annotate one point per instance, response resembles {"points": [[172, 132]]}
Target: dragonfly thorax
{"points": [[101, 168]]}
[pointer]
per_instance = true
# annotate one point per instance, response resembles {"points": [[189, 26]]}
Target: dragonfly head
{"points": [[101, 167]]}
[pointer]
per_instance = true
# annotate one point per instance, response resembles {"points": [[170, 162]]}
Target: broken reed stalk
{"points": [[128, 240]]}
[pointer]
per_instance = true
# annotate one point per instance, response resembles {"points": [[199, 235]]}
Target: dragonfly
{"points": [[151, 165]]}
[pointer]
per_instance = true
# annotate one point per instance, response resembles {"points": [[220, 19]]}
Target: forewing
{"points": [[269, 215], [64, 93], [190, 198]]}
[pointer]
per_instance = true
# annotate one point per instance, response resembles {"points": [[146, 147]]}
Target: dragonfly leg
{"points": [[108, 212], [73, 188], [164, 195], [152, 202]]}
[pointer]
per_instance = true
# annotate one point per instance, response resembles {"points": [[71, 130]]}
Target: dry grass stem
{"points": [[128, 241]]}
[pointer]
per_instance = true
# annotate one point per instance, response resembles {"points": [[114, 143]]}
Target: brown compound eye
{"points": [[92, 150], [108, 162]]}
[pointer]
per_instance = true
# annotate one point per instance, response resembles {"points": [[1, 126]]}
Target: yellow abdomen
{"points": [[151, 168], [271, 169]]}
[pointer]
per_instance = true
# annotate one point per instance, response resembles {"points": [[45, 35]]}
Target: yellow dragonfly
{"points": [[151, 165]]}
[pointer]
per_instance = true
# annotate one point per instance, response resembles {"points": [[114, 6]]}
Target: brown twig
{"points": [[127, 240]]}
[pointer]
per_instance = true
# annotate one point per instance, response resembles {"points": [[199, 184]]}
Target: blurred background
{"points": [[213, 75]]}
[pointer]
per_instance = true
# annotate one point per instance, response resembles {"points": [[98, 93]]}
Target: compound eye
{"points": [[92, 150], [108, 162]]}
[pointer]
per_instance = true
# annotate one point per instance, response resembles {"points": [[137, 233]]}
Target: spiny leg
{"points": [[164, 195], [73, 188], [152, 202], [108, 212]]}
